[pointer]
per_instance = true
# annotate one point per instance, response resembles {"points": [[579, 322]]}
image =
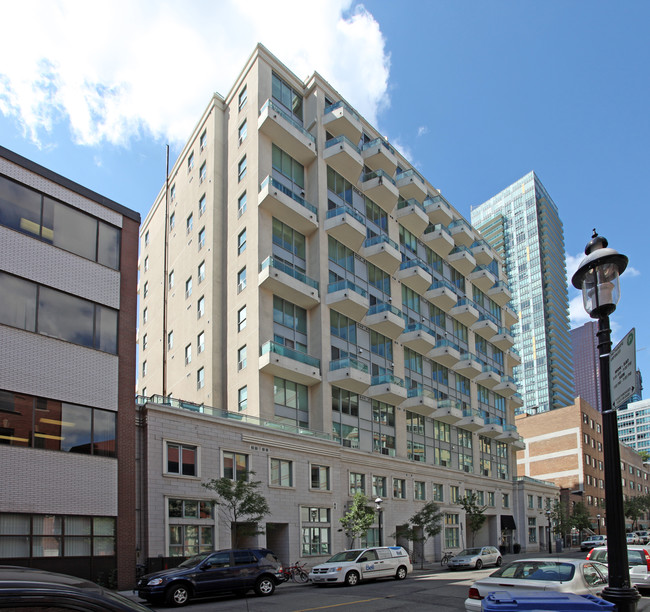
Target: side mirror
{"points": [[205, 566], [362, 560]]}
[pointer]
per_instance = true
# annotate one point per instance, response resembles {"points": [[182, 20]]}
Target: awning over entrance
{"points": [[508, 522]]}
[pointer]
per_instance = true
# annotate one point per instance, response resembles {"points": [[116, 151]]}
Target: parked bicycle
{"points": [[445, 558], [295, 572]]}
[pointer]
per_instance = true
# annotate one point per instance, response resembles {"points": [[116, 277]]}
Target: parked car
{"points": [[212, 573], [38, 590], [578, 576], [638, 558], [644, 536], [632, 538], [593, 541], [476, 558], [351, 566]]}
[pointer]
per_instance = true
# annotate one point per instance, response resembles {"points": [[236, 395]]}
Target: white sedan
{"points": [[578, 576]]}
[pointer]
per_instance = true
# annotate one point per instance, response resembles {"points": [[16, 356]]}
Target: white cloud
{"points": [[572, 263], [577, 314], [422, 130], [128, 68], [630, 271]]}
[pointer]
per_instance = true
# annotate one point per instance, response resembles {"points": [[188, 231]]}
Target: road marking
{"points": [[349, 603]]}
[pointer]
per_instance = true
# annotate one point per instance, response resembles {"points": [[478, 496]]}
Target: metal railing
{"points": [[278, 185]]}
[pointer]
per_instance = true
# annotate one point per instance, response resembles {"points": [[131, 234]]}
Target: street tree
{"points": [[474, 513], [561, 518], [580, 517], [633, 508], [425, 524], [358, 519]]}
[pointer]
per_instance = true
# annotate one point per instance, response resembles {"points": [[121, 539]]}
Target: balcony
{"points": [[514, 358], [448, 411], [340, 120], [286, 132], [420, 401], [485, 327], [418, 337], [465, 311], [441, 294], [472, 420], [411, 185], [280, 279], [438, 210], [347, 226], [493, 427], [410, 214], [482, 278], [379, 155], [519, 444], [462, 260], [506, 386], [482, 252], [500, 293], [509, 316], [387, 388], [344, 157], [278, 360], [509, 434], [515, 401], [349, 374], [382, 252], [415, 274], [490, 377], [503, 339], [288, 207], [438, 239], [446, 353], [462, 232], [348, 299], [385, 319], [468, 365], [381, 189]]}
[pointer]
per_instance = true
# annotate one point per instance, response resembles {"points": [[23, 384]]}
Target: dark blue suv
{"points": [[212, 573]]}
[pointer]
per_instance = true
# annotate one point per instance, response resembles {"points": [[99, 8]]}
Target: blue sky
{"points": [[475, 93]]}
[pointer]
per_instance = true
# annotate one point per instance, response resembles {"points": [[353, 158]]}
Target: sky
{"points": [[474, 93]]}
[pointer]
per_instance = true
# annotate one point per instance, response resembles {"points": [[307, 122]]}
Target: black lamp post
{"points": [[597, 277], [378, 502], [598, 519], [548, 516]]}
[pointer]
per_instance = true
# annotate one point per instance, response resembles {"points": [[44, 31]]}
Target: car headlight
{"points": [[335, 569], [155, 581]]}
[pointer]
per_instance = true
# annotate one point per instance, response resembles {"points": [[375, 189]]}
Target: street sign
{"points": [[622, 370]]}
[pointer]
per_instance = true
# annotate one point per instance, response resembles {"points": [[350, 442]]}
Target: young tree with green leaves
{"points": [[474, 513], [633, 508], [580, 517], [241, 505], [561, 518], [425, 524], [358, 519]]}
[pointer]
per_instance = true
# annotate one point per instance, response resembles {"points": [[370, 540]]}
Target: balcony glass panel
{"points": [[278, 185], [345, 210], [368, 176], [375, 142], [341, 104], [279, 349], [278, 109], [383, 307], [387, 379], [339, 139], [346, 284], [408, 173], [273, 263], [415, 263], [410, 202], [437, 227], [368, 242], [348, 362]]}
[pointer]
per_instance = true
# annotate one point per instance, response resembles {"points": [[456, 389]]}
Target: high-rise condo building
{"points": [[586, 363], [523, 225]]}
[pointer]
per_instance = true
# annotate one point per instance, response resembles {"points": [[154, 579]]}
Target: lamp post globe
{"points": [[597, 277], [380, 522]]}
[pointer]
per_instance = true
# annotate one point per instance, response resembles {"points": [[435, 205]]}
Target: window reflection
{"points": [[17, 302], [69, 229]]}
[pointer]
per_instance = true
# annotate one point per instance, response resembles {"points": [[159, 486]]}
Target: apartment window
{"points": [[452, 529], [241, 318], [200, 307], [200, 343], [182, 459], [170, 340], [241, 169], [530, 502], [190, 161], [243, 129], [288, 167], [172, 221], [170, 280], [242, 398], [438, 492], [202, 205], [379, 486], [200, 378], [287, 96], [315, 531], [189, 224], [243, 97], [235, 465], [146, 263], [144, 342], [241, 242], [201, 272], [532, 530], [191, 528], [490, 499], [144, 368], [146, 238], [320, 477], [203, 172], [172, 192], [241, 280], [241, 204], [145, 315], [399, 488], [281, 473], [241, 358], [419, 491], [145, 290], [188, 287], [454, 493], [188, 354], [506, 500], [357, 483], [203, 141], [201, 238]]}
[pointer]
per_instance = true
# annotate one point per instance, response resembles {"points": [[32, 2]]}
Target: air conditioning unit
{"points": [[385, 451]]}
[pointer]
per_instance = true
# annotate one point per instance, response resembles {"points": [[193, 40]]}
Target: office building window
{"points": [[241, 204], [241, 318], [399, 488], [203, 171], [419, 491], [241, 242], [241, 280], [242, 398], [281, 473], [438, 492], [200, 307], [200, 343], [235, 466], [243, 129], [190, 527], [241, 358], [357, 483], [241, 169], [505, 500], [320, 477], [200, 378], [379, 486], [182, 459], [243, 97], [201, 272]]}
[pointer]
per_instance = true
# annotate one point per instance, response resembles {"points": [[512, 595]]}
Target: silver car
{"points": [[638, 558], [476, 558]]}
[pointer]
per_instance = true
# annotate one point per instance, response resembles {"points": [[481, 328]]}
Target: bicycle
{"points": [[295, 572], [445, 558]]}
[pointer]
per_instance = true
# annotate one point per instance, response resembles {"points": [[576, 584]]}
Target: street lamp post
{"points": [[598, 519], [380, 522], [597, 277], [548, 516]]}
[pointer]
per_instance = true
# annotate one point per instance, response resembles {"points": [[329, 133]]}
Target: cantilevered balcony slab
{"points": [[514, 358], [448, 411], [286, 132], [509, 434], [482, 252], [506, 386], [292, 285], [493, 427], [462, 232], [278, 360], [438, 210], [489, 377], [438, 239], [288, 207], [382, 252], [379, 155], [500, 293], [347, 226], [468, 365], [509, 316], [387, 388], [465, 311], [349, 374], [348, 299], [482, 278], [381, 189], [472, 420], [446, 353], [411, 185], [462, 260], [503, 339], [415, 274], [340, 120], [344, 157], [515, 401], [420, 401], [442, 295], [485, 327], [418, 337], [410, 214], [385, 319], [519, 444]]}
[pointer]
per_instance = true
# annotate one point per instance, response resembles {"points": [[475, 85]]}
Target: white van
{"points": [[351, 566]]}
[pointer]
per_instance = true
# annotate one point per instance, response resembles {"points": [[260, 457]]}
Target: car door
{"points": [[368, 565], [214, 574], [487, 555], [595, 577], [386, 562]]}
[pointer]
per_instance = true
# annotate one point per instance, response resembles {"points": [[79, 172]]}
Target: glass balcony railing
{"points": [[346, 284], [438, 227], [338, 140], [460, 223], [368, 242], [368, 176], [383, 307], [387, 379], [461, 249], [375, 142], [507, 379], [279, 349], [278, 265], [415, 263], [410, 202], [341, 104], [484, 316], [437, 200], [471, 412], [440, 284], [467, 302], [345, 210], [407, 173], [509, 428], [504, 330], [502, 285], [278, 185], [467, 356], [447, 343], [420, 392], [274, 107], [446, 404], [348, 362], [481, 242], [492, 420], [479, 268], [514, 351], [489, 368], [414, 327]]}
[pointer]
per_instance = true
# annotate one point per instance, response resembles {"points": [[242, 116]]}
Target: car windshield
{"points": [[469, 552], [346, 555], [195, 560], [536, 570]]}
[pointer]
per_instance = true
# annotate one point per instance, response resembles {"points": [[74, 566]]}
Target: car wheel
{"points": [[401, 572], [499, 562], [178, 595], [479, 564], [352, 578], [265, 586]]}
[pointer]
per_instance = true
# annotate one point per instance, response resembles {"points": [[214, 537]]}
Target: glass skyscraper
{"points": [[586, 363], [522, 224]]}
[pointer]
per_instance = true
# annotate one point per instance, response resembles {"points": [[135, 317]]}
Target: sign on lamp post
{"points": [[622, 370]]}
